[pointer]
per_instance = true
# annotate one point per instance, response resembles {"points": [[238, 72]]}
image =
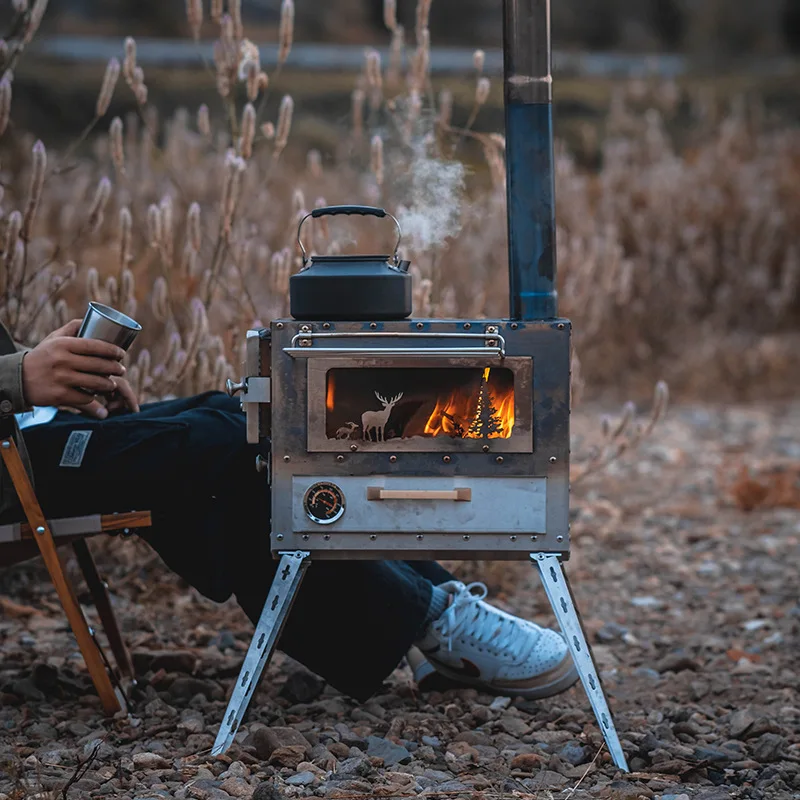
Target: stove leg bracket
{"points": [[282, 593], [558, 592]]}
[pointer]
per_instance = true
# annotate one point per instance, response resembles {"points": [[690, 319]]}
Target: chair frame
{"points": [[107, 681]]}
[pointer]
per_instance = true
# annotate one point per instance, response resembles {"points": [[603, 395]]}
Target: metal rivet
{"points": [[326, 325], [286, 458], [420, 537], [279, 325], [553, 459], [305, 343], [340, 458], [372, 537], [305, 537], [492, 329], [392, 459], [327, 537], [373, 325], [465, 537], [560, 326], [491, 342], [513, 538], [279, 537], [446, 459], [485, 448], [40, 529], [499, 459], [354, 447], [305, 329], [514, 326], [559, 538], [533, 538], [467, 326], [420, 325]]}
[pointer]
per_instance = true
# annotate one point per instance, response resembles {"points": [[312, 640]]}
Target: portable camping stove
{"points": [[393, 438]]}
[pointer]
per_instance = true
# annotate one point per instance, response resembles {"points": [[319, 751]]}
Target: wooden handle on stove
{"points": [[379, 493]]}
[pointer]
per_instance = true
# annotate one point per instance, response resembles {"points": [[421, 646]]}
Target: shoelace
{"points": [[486, 624]]}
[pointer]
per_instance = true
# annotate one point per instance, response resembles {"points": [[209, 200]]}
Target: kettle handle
{"points": [[365, 211]]}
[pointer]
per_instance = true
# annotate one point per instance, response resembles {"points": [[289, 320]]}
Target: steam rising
{"points": [[434, 192]]}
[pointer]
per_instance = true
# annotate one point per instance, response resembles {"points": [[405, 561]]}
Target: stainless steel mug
{"points": [[110, 325]]}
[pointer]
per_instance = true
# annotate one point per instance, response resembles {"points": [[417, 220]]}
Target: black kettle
{"points": [[350, 287]]}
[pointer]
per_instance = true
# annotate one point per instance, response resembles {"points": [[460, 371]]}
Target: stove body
{"points": [[472, 460]]}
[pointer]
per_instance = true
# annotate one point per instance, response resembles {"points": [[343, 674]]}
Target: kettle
{"points": [[350, 287]]}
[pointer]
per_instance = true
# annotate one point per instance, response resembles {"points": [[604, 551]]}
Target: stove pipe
{"points": [[528, 87]]}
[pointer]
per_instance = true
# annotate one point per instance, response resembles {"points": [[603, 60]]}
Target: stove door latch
{"points": [[254, 390]]}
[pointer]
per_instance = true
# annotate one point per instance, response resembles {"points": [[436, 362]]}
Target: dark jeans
{"points": [[188, 462]]}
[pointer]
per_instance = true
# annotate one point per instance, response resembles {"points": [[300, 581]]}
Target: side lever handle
{"points": [[234, 388]]}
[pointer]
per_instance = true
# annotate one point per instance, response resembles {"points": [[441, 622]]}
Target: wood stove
{"points": [[385, 436]]}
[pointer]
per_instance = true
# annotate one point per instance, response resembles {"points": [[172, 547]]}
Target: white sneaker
{"points": [[477, 644]]}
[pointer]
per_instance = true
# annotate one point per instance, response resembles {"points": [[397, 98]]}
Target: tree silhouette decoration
{"points": [[487, 419]]}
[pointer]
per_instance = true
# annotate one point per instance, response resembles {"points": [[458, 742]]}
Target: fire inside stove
{"points": [[403, 403]]}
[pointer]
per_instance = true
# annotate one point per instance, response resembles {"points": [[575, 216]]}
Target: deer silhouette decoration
{"points": [[376, 420], [347, 430]]}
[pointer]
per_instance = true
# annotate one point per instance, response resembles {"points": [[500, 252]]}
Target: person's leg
{"points": [[187, 461]]}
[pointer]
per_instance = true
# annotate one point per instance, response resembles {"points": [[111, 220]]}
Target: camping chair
{"points": [[109, 683]]}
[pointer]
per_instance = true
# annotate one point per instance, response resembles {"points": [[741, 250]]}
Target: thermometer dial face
{"points": [[324, 503]]}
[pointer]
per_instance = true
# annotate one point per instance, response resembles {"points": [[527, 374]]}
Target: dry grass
{"points": [[677, 265]]}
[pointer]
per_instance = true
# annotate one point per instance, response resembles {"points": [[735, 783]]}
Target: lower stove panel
{"points": [[411, 504]]}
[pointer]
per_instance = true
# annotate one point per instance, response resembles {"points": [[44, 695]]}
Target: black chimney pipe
{"points": [[530, 191]]}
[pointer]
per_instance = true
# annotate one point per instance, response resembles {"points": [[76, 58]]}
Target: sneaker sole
{"points": [[535, 690]]}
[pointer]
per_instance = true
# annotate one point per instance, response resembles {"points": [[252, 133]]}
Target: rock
{"points": [[462, 750], [712, 754], [168, 660], [339, 749], [741, 722], [500, 703], [236, 770], [204, 789], [390, 752], [346, 736], [301, 779], [267, 791], [237, 787], [289, 756], [451, 787], [150, 761], [768, 747], [546, 779], [626, 790], [527, 762], [431, 741], [41, 730], [358, 766], [513, 726], [677, 662], [302, 686], [99, 749], [574, 753], [267, 740], [610, 632]]}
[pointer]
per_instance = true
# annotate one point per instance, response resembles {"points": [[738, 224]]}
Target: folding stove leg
{"points": [[281, 596], [557, 588]]}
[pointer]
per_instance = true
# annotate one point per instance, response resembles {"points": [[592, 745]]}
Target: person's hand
{"points": [[63, 370]]}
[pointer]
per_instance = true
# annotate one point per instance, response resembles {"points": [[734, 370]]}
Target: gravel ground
{"points": [[684, 567]]}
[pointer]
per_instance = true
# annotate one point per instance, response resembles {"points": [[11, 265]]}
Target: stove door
{"points": [[427, 405]]}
